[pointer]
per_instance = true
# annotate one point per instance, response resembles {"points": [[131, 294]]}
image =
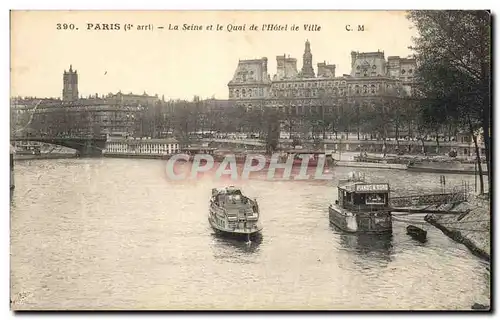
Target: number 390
{"points": [[65, 26]]}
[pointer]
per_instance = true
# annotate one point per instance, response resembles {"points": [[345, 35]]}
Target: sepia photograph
{"points": [[250, 160]]}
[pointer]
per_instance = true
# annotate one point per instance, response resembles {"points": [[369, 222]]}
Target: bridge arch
{"points": [[84, 146]]}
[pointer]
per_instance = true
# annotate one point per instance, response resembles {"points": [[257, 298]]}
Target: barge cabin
{"points": [[362, 208]]}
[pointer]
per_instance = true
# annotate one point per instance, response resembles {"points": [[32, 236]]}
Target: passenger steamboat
{"points": [[361, 207], [231, 213]]}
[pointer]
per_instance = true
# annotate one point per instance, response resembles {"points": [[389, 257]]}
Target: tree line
{"points": [[453, 50]]}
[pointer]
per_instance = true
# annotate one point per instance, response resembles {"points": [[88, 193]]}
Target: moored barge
{"points": [[362, 207], [312, 158]]}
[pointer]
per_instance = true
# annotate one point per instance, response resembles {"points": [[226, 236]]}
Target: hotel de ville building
{"points": [[310, 92]]}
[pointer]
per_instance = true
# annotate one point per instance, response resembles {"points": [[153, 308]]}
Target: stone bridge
{"points": [[85, 146]]}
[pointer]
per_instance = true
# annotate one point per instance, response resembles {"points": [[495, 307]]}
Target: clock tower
{"points": [[70, 85], [307, 66]]}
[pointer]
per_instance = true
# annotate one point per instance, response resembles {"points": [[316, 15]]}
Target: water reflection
{"points": [[375, 245], [239, 244]]}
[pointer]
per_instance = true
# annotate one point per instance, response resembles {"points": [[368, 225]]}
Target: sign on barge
{"points": [[362, 208]]}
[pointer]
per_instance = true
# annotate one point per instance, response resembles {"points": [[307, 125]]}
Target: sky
{"points": [[180, 64]]}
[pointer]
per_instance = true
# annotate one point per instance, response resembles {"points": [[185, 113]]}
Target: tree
{"points": [[453, 49], [182, 120], [252, 120], [290, 120], [273, 130]]}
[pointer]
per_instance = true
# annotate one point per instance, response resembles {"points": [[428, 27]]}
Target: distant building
{"points": [[74, 115], [251, 84], [142, 99], [303, 92], [70, 85], [70, 93], [83, 120]]}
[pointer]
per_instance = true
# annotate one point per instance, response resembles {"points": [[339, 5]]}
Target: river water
{"points": [[117, 234]]}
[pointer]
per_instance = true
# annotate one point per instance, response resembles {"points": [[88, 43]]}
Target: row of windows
{"points": [[374, 67], [357, 90], [143, 148], [317, 84], [365, 89], [315, 109], [308, 93], [373, 74], [247, 93], [307, 110]]}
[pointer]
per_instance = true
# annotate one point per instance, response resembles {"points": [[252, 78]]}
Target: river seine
{"points": [[117, 234]]}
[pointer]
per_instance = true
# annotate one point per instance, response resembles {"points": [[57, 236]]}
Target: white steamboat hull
{"points": [[231, 213], [238, 230]]}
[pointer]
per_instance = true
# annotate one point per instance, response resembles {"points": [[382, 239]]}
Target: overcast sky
{"points": [[181, 64]]}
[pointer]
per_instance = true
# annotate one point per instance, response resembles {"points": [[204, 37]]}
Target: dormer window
{"points": [[403, 71]]}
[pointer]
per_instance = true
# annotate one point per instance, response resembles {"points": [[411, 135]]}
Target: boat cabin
{"points": [[231, 190], [228, 196], [364, 196]]}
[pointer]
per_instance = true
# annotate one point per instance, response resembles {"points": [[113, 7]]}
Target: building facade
{"points": [[76, 116], [130, 98], [302, 92], [251, 83], [142, 147], [78, 120]]}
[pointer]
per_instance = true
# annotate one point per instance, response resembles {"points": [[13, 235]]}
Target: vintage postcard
{"points": [[250, 160]]}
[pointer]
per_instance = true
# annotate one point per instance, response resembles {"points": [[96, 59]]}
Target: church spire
{"points": [[308, 46]]}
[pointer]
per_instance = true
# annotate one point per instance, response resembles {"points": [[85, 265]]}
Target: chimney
{"points": [[353, 58]]}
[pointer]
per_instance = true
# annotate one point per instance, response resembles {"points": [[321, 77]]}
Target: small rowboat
{"points": [[417, 233]]}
